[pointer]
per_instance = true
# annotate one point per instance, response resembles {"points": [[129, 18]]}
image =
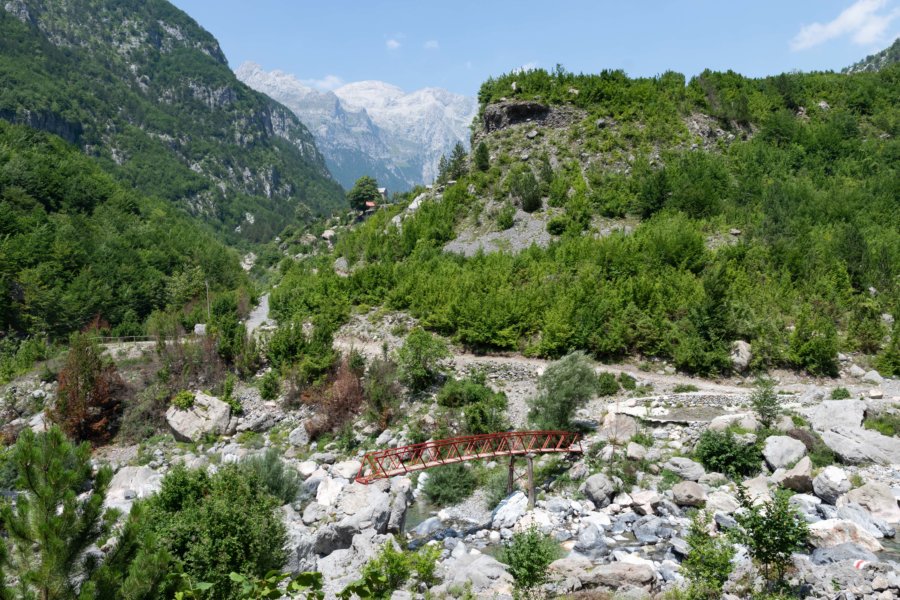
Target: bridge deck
{"points": [[383, 464]]}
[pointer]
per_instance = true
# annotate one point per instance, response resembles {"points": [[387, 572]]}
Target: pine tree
{"points": [[482, 157], [52, 526], [457, 163]]}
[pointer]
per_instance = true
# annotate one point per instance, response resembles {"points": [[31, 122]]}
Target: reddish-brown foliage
{"points": [[342, 401]]}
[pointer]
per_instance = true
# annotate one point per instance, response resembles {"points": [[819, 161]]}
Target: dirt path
{"points": [[259, 316]]}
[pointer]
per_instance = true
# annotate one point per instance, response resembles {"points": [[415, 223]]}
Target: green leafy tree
{"points": [[364, 190], [772, 531], [565, 385], [53, 524], [418, 358], [708, 562], [765, 402], [482, 157], [528, 555]]}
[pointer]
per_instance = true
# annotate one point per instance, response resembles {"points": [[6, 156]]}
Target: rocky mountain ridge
{"points": [[877, 61], [372, 127]]}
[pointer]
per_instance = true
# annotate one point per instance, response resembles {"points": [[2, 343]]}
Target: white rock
{"points": [[509, 511], [307, 468], [833, 532], [830, 484], [130, 484], [781, 451], [873, 377], [878, 499], [208, 415], [329, 490], [346, 469]]}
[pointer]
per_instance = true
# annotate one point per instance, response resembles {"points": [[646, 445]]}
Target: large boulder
{"points": [[509, 511], [746, 421], [645, 502], [130, 484], [329, 490], [781, 451], [841, 553], [723, 502], [878, 499], [620, 575], [618, 428], [486, 576], [834, 532], [688, 493], [798, 478], [591, 543], [359, 508], [859, 515], [840, 424], [830, 484], [599, 489], [207, 416], [685, 468], [741, 355]]}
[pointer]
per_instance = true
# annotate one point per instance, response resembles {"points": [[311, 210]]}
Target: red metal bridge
{"points": [[383, 464]]}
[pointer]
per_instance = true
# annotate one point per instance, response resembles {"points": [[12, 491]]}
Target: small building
{"points": [[383, 192]]}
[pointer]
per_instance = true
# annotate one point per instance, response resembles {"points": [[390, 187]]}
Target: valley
{"points": [[211, 314]]}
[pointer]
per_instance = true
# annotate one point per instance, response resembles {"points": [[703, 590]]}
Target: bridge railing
{"points": [[382, 464]]}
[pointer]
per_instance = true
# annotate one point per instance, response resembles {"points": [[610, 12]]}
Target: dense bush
{"points": [[765, 402], [183, 400], [840, 393], [708, 561], [528, 555], [280, 481], [566, 385], [607, 384], [270, 385], [382, 390], [392, 568], [215, 524], [450, 484], [418, 358], [723, 453]]}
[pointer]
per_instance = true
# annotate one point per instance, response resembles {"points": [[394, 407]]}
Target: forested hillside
{"points": [[683, 216], [76, 246], [143, 88]]}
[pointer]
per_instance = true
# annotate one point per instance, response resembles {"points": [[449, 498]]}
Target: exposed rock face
{"points": [[618, 428], [485, 574], [503, 114], [840, 424], [830, 484], [781, 451], [833, 532], [878, 499], [509, 511], [130, 484], [599, 489], [208, 415]]}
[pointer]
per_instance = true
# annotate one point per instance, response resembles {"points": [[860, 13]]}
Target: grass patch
{"points": [[667, 478], [683, 388], [840, 393], [885, 423], [643, 438]]}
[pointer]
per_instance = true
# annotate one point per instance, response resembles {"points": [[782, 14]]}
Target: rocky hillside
{"points": [[877, 61], [145, 89], [373, 128]]}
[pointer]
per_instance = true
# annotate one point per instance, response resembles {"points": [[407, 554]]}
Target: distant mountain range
{"points": [[372, 127], [877, 61]]}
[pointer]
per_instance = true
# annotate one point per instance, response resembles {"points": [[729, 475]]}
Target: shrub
{"points": [[482, 158], [183, 400], [382, 391], [460, 392], [418, 358], [391, 569], [765, 402], [270, 385], [886, 423], [525, 188], [813, 346], [528, 555], [450, 484], [340, 404], [667, 479], [683, 388], [88, 399], [506, 217], [772, 531], [557, 225], [213, 525], [708, 561], [820, 455], [723, 453], [627, 381], [283, 483], [643, 438], [840, 393], [607, 384], [565, 385], [486, 416]]}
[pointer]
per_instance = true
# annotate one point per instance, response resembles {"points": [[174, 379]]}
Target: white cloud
{"points": [[431, 45], [392, 44], [327, 83], [865, 21]]}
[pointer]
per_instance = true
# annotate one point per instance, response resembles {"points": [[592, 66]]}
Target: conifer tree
{"points": [[482, 157]]}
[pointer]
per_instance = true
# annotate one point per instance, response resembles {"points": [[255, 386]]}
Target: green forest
{"points": [[810, 180]]}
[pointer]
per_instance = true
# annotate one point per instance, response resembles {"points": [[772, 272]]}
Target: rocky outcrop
{"points": [[685, 468], [834, 532], [830, 484], [878, 499], [207, 416], [782, 451], [840, 424], [130, 484], [599, 489]]}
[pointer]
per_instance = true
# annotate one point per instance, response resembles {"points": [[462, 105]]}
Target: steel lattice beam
{"points": [[389, 462]]}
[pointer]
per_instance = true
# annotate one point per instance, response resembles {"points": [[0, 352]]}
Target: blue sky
{"points": [[457, 44]]}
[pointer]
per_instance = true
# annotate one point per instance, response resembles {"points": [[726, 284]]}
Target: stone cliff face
{"points": [[372, 127], [143, 86]]}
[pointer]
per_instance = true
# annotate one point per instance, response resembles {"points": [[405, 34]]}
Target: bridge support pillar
{"points": [[529, 458], [511, 477]]}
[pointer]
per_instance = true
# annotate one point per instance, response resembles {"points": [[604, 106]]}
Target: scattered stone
{"points": [[685, 468], [876, 394], [873, 376], [532, 134], [830, 484], [688, 493], [635, 451], [299, 436], [798, 478], [591, 543], [781, 451]]}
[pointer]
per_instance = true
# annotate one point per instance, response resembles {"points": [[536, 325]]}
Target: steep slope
{"points": [[877, 61], [141, 86], [679, 220], [76, 245], [371, 127]]}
